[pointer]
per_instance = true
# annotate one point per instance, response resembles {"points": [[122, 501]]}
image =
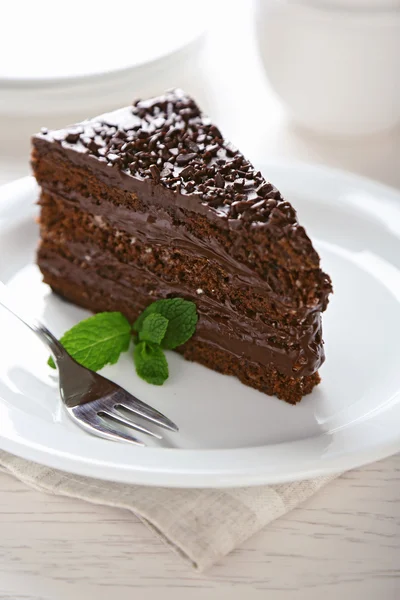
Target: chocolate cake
{"points": [[151, 202]]}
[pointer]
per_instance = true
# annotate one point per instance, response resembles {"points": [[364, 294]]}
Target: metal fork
{"points": [[95, 403]]}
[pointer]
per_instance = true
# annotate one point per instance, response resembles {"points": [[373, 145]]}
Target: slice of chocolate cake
{"points": [[151, 202]]}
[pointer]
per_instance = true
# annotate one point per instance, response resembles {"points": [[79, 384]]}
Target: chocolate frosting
{"points": [[169, 141]]}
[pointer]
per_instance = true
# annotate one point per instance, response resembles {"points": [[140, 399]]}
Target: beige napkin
{"points": [[202, 525]]}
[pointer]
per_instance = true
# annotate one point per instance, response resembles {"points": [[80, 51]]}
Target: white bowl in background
{"points": [[48, 102], [76, 59], [337, 70]]}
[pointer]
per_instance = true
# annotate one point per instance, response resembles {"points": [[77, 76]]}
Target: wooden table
{"points": [[343, 543]]}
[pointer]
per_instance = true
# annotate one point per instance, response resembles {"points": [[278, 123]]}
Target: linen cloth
{"points": [[202, 525]]}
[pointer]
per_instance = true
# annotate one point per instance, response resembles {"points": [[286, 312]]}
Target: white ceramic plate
{"points": [[230, 434]]}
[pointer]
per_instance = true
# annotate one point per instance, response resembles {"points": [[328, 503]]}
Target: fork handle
{"points": [[13, 306]]}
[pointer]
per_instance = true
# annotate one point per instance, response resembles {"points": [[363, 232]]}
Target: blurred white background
{"points": [[221, 68]]}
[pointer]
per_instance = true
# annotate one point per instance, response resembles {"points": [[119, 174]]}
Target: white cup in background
{"points": [[335, 65]]}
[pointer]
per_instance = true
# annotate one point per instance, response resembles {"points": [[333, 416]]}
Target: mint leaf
{"points": [[98, 340], [182, 320], [150, 362], [153, 328]]}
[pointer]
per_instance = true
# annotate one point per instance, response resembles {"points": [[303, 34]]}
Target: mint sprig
{"points": [[182, 320], [164, 324], [100, 340], [153, 328], [150, 362]]}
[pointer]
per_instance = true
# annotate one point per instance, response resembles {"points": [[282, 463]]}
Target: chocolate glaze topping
{"points": [[169, 140]]}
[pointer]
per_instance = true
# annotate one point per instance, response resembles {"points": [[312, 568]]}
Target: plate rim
{"points": [[249, 472]]}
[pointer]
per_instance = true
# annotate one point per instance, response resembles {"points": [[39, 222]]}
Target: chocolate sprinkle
{"points": [[155, 173], [169, 140], [184, 159], [219, 181], [187, 172], [72, 138]]}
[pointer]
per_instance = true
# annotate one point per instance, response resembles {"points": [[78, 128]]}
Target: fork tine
{"points": [[133, 405], [127, 423], [103, 428], [115, 435]]}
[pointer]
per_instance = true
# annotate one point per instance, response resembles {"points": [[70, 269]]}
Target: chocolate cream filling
{"points": [[217, 325], [294, 354], [157, 228]]}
